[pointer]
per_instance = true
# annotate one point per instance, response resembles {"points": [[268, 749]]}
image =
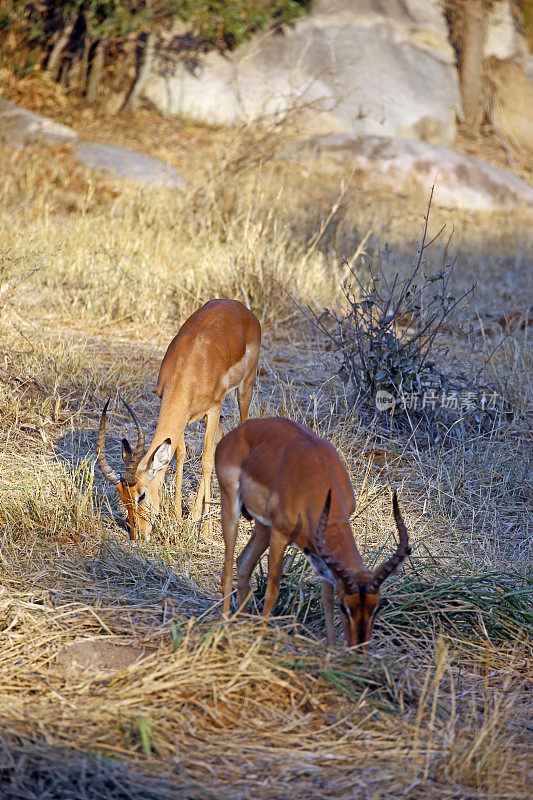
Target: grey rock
{"points": [[19, 128], [127, 164], [462, 181]]}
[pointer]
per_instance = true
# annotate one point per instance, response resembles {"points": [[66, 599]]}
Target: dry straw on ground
{"points": [[440, 708]]}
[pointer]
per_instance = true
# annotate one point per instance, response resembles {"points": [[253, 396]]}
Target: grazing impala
{"points": [[295, 486], [215, 350]]}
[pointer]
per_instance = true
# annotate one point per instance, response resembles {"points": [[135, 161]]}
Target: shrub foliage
{"points": [[75, 39]]}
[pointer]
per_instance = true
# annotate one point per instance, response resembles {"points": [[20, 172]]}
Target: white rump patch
{"points": [[235, 374], [320, 567]]}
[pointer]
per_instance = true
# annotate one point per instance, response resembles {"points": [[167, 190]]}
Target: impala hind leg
{"points": [[278, 543], [246, 387], [180, 458], [248, 558], [229, 515], [203, 498]]}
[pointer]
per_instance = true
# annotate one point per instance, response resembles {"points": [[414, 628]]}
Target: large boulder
{"points": [[351, 66], [461, 180]]}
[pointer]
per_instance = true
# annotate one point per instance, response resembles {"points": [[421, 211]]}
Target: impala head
{"points": [[359, 592], [137, 488]]}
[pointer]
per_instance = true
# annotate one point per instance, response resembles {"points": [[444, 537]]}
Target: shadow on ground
{"points": [[32, 771]]}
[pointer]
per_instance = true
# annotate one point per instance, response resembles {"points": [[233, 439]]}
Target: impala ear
{"points": [[127, 453], [160, 459]]}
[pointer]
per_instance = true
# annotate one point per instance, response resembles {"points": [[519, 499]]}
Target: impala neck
{"points": [[170, 425], [340, 540]]}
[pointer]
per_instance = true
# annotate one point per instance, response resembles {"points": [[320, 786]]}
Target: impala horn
{"points": [[107, 472], [129, 475], [392, 564], [350, 584], [110, 474]]}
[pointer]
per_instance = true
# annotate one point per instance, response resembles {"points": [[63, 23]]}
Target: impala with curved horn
{"points": [[295, 486], [215, 350]]}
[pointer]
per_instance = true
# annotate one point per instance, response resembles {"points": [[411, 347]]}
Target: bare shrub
{"points": [[388, 332]]}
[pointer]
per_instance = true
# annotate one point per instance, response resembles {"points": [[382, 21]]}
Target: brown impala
{"points": [[295, 486], [215, 350]]}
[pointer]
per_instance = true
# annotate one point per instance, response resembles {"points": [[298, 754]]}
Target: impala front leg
{"points": [[278, 543], [328, 602], [180, 458]]}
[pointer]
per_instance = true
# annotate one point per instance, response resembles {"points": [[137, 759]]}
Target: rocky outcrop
{"points": [[510, 102], [351, 66], [19, 127], [461, 181]]}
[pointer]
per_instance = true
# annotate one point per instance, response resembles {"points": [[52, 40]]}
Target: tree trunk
{"points": [[54, 59], [95, 75], [121, 74], [143, 73], [474, 26], [84, 64]]}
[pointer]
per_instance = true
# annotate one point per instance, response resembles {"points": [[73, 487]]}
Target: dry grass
{"points": [[244, 710], [96, 279]]}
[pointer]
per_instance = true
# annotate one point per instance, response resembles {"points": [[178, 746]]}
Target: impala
{"points": [[215, 350], [295, 487]]}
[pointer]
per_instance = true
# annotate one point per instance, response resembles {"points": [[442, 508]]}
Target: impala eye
{"points": [[141, 497], [344, 609]]}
